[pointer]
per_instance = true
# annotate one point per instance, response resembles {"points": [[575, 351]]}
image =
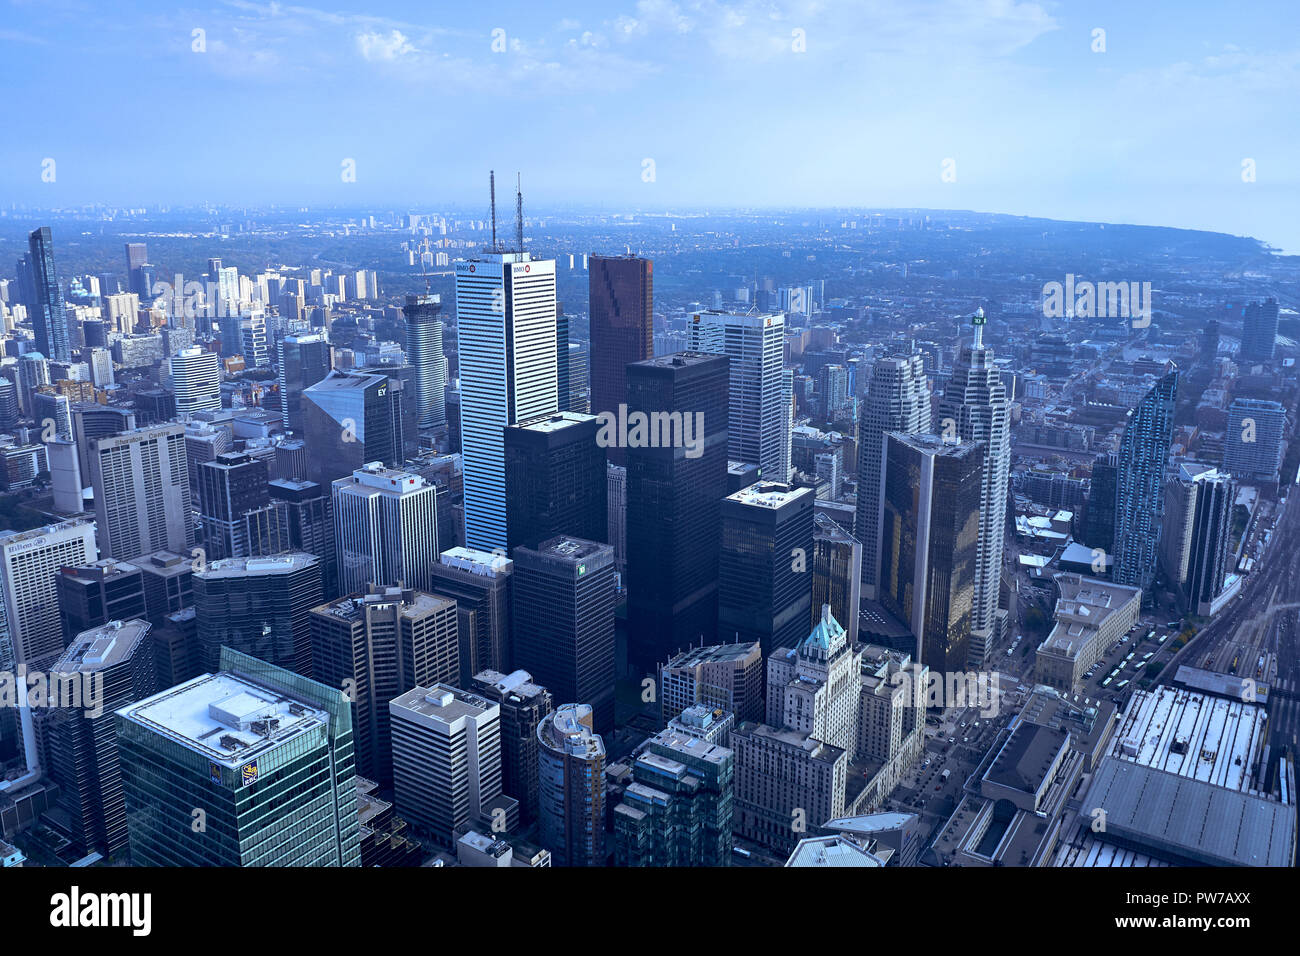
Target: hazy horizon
{"points": [[999, 107]]}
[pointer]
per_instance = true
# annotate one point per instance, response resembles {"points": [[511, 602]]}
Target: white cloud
{"points": [[377, 46]]}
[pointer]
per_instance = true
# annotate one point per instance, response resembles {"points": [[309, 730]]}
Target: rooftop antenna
{"points": [[519, 213], [492, 189]]}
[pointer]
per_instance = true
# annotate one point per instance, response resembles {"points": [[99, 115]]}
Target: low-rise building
{"points": [[1091, 614]]}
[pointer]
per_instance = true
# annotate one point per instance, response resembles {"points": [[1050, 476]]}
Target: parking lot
{"points": [[1124, 665]]}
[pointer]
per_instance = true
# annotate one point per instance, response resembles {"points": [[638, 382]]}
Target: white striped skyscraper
{"points": [[196, 380], [505, 324], [386, 529], [758, 416], [142, 491]]}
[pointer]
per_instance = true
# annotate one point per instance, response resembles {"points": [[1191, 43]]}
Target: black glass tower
{"points": [[766, 568], [564, 622], [674, 501], [49, 317], [555, 480], [304, 360]]}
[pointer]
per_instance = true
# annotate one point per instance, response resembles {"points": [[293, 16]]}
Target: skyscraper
{"points": [[259, 606], [974, 408], [447, 761], [308, 516], [677, 811], [836, 572], [555, 480], [196, 381], [245, 335], [674, 507], [379, 645], [385, 529], [91, 595], [757, 415], [574, 390], [29, 564], [506, 340], [168, 581], [1195, 537], [304, 359], [424, 351], [1259, 330], [264, 753], [1099, 519], [482, 584], [230, 487], [1254, 442], [1139, 498], [815, 687], [765, 568], [724, 676], [137, 259], [91, 420], [571, 787], [1209, 561], [930, 543], [524, 704], [621, 307], [616, 513], [896, 401], [142, 491], [82, 740], [49, 316], [51, 408], [33, 371], [564, 621], [349, 420]]}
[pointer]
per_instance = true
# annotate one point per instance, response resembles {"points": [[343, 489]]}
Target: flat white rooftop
{"points": [[225, 718]]}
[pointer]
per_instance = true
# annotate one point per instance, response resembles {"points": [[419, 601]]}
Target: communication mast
{"points": [[519, 214]]}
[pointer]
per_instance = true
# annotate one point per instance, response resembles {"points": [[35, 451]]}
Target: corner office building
{"points": [[266, 756]]}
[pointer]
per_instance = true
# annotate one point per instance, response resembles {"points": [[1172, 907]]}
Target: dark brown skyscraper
{"points": [[622, 327]]}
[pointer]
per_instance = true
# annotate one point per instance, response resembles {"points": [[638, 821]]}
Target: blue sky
{"points": [[718, 94]]}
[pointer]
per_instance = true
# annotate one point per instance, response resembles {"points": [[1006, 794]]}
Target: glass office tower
{"points": [[250, 766]]}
